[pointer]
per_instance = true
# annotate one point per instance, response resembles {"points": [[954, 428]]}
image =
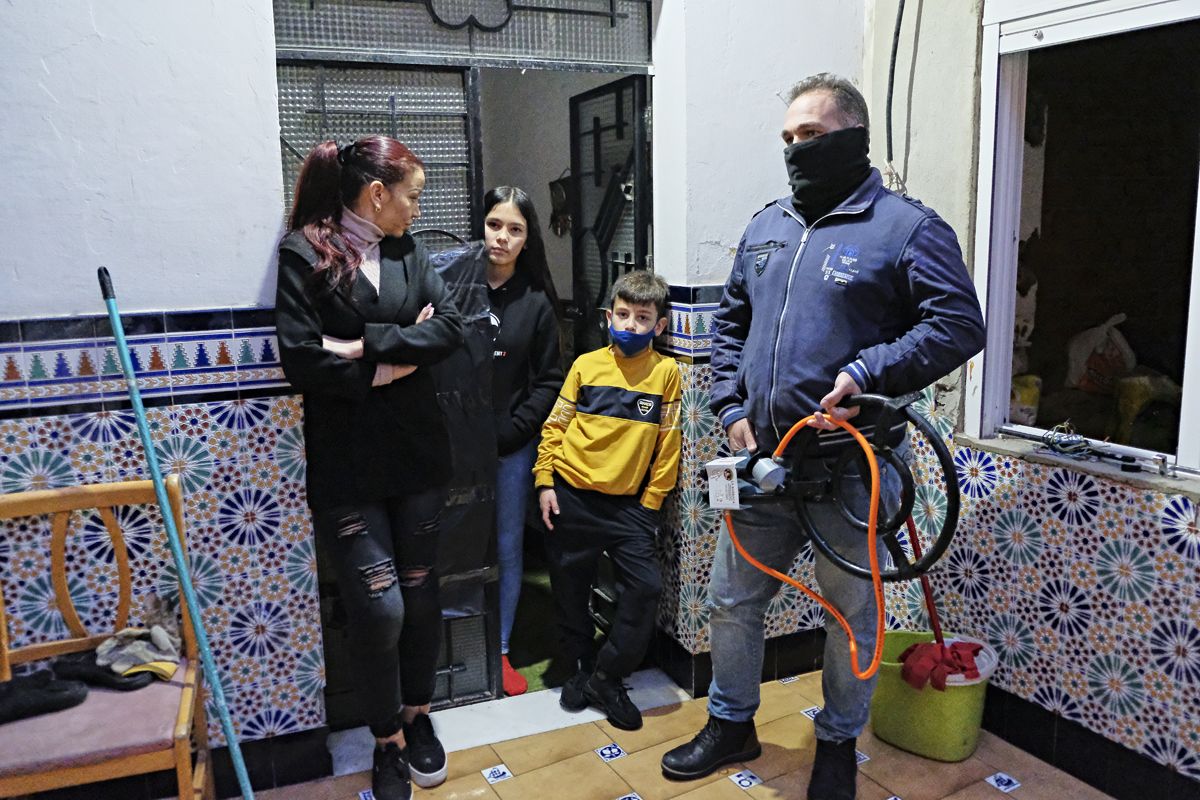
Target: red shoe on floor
{"points": [[514, 682]]}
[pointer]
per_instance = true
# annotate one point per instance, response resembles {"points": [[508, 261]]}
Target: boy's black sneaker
{"points": [[834, 772], [611, 695], [389, 774], [572, 697], [718, 743], [426, 756]]}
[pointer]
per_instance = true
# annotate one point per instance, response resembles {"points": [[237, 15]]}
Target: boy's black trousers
{"points": [[588, 524]]}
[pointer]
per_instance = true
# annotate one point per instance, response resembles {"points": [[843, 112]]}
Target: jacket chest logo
{"points": [[760, 262], [839, 263], [762, 253], [644, 406]]}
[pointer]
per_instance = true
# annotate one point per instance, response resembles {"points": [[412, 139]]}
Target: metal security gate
{"points": [[427, 109], [610, 162], [472, 32]]}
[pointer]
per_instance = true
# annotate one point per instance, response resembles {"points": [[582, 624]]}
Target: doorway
{"points": [[574, 130]]}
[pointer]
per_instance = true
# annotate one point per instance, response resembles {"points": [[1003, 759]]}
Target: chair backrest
{"points": [[59, 505]]}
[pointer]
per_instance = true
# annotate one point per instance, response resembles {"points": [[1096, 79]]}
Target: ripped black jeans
{"points": [[385, 554]]}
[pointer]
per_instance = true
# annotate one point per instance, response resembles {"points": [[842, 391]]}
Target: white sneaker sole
{"points": [[427, 780]]}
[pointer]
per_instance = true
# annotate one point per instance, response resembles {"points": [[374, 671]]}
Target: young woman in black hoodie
{"points": [[527, 375]]}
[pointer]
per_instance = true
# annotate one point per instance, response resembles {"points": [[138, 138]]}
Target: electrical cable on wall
{"points": [[894, 180]]}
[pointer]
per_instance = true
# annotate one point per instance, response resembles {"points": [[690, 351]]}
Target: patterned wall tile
{"points": [[249, 533]]}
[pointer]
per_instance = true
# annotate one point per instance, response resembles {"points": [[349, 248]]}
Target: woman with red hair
{"points": [[360, 313]]}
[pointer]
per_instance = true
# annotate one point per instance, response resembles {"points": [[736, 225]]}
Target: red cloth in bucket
{"points": [[933, 663]]}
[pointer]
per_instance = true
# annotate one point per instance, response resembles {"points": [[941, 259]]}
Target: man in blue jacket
{"points": [[841, 288]]}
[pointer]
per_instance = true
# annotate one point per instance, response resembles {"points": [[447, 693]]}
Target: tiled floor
{"points": [[564, 763]]}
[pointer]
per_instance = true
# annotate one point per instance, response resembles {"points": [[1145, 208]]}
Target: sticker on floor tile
{"points": [[860, 757], [790, 679], [812, 712], [610, 752], [745, 779], [366, 794], [630, 796], [1003, 782], [496, 774]]}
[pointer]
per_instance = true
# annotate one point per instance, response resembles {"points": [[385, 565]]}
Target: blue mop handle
{"points": [[173, 540]]}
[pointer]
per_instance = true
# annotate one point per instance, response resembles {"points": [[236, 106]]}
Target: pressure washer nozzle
{"points": [[768, 474]]}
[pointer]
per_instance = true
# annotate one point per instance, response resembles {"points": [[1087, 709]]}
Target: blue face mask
{"points": [[630, 343]]}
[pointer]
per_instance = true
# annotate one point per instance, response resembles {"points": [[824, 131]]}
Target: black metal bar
{"points": [[362, 112], [579, 12], [491, 620], [578, 289], [649, 31], [612, 14], [596, 151], [602, 129], [448, 632], [642, 208], [483, 574], [320, 92], [619, 124], [475, 144], [307, 55], [291, 149]]}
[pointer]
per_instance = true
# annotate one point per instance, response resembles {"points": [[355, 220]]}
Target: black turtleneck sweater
{"points": [[527, 367]]}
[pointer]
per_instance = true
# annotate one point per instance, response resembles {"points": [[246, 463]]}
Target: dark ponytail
{"points": [[331, 179]]}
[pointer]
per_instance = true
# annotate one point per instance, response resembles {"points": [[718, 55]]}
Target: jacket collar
{"points": [[859, 200], [393, 272]]}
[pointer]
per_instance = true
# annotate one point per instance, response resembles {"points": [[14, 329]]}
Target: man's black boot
{"points": [[834, 772], [718, 743], [390, 778], [609, 693]]}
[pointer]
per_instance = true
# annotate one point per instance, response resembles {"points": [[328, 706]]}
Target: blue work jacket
{"points": [[876, 287]]}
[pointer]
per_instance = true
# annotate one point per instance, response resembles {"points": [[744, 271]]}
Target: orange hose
{"points": [[872, 550]]}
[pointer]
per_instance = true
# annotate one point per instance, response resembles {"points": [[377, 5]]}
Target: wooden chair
{"points": [[111, 734]]}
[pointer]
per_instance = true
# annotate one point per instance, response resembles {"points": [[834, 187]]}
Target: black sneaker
{"points": [[718, 743], [611, 695], [426, 756], [834, 772], [572, 698], [389, 774]]}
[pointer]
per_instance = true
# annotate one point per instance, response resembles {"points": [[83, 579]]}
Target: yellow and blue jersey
{"points": [[615, 427]]}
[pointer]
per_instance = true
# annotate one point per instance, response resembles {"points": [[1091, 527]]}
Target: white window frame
{"points": [[1012, 28]]}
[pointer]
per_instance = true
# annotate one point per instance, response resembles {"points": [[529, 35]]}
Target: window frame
{"points": [[1011, 29]]}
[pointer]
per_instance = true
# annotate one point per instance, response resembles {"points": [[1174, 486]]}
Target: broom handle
{"points": [[173, 540], [933, 616]]}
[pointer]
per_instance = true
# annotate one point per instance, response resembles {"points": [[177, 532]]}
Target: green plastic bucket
{"points": [[940, 725]]}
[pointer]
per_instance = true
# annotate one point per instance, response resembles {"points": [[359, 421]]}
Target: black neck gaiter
{"points": [[825, 171]]}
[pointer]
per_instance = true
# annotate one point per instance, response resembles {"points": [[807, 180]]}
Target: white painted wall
{"points": [[526, 119], [935, 103], [935, 115], [143, 136], [722, 70]]}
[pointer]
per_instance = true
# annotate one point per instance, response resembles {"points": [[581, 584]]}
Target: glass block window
{"points": [[425, 109], [589, 31]]}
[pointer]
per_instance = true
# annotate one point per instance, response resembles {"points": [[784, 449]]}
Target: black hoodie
{"points": [[527, 368]]}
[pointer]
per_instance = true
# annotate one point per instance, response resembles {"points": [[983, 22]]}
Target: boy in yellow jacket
{"points": [[609, 456]]}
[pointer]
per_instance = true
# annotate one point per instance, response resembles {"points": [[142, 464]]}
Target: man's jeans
{"points": [[739, 594]]}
